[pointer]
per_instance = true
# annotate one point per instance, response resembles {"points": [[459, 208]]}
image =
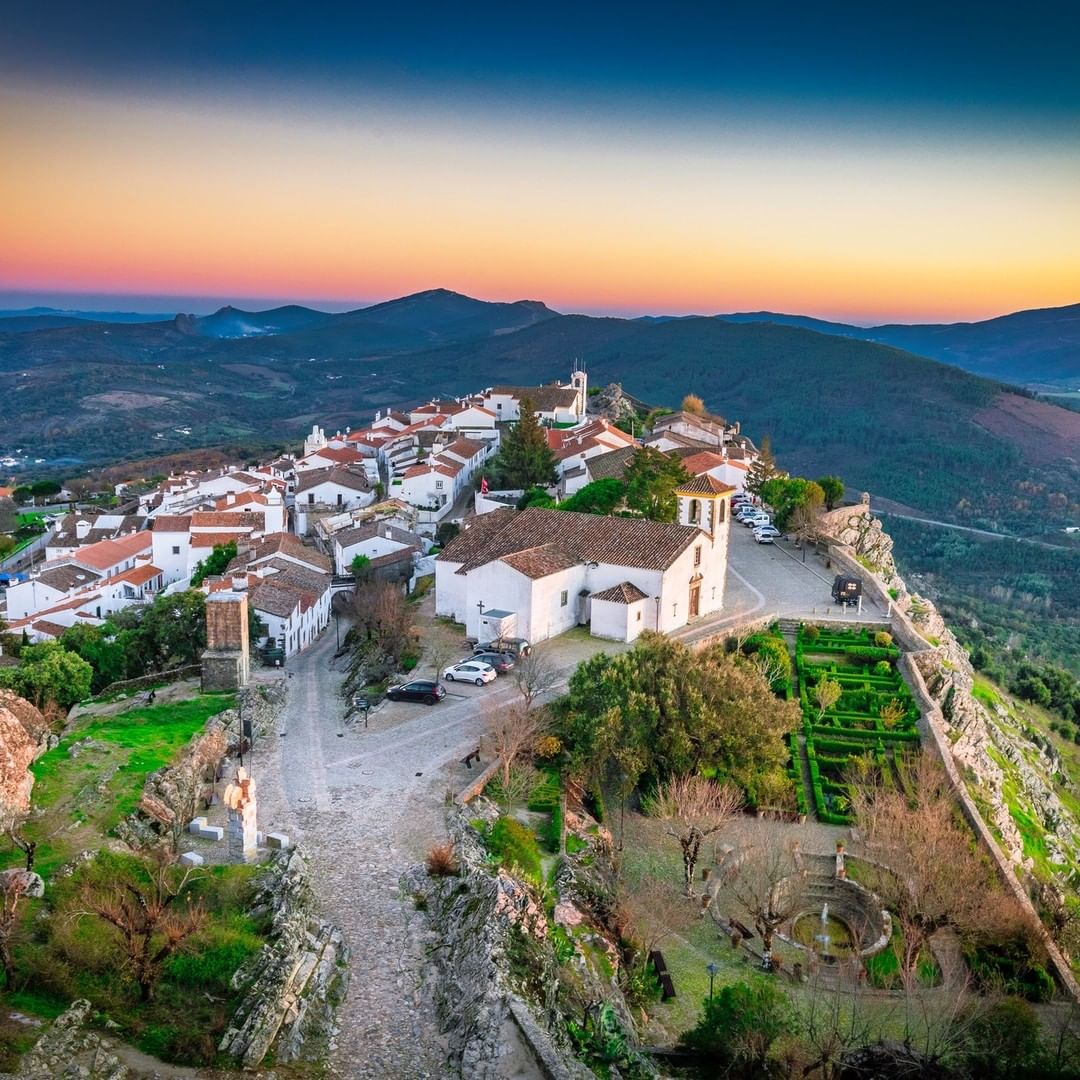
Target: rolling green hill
{"points": [[924, 434]]}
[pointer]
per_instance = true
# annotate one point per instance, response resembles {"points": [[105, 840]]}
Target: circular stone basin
{"points": [[808, 931]]}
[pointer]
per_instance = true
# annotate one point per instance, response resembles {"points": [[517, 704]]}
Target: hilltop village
{"points": [[537, 732]]}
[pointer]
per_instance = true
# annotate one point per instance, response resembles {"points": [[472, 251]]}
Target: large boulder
{"points": [[23, 735]]}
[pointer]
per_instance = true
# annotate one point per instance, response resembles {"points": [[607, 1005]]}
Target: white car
{"points": [[766, 534], [757, 520], [475, 671], [771, 530]]}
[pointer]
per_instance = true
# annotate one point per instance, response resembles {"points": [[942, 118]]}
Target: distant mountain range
{"points": [[1039, 348], [922, 433]]}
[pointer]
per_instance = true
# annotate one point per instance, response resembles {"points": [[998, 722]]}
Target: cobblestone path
{"points": [[364, 806]]}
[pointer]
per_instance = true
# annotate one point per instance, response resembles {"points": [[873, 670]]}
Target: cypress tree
{"points": [[525, 459], [763, 469]]}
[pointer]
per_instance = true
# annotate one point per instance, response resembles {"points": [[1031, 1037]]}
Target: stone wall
{"points": [[296, 981], [953, 723]]}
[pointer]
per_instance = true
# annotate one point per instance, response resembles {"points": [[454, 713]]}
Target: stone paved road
{"points": [[364, 806]]}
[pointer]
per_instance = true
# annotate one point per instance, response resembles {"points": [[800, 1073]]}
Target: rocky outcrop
{"points": [[502, 996], [611, 404], [24, 734], [294, 984], [260, 706], [70, 1048], [855, 527]]}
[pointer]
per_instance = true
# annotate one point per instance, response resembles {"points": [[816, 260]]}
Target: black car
{"points": [[513, 647], [418, 690], [500, 661]]}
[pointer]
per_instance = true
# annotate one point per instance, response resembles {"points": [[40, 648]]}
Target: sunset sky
{"points": [[910, 164]]}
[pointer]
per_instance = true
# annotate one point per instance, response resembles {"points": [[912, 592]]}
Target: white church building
{"points": [[537, 573]]}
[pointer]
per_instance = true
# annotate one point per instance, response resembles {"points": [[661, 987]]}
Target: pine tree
{"points": [[763, 469], [525, 460]]}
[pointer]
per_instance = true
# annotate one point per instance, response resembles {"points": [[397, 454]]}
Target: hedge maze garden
{"points": [[858, 714]]}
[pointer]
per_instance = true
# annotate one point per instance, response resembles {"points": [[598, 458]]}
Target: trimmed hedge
{"points": [[514, 845]]}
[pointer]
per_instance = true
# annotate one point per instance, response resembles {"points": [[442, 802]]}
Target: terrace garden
{"points": [[857, 715]]}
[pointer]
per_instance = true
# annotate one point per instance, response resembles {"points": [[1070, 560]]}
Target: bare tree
{"points": [[145, 912], [804, 524], [657, 910], [935, 877], [691, 809], [381, 612], [766, 881], [12, 823], [13, 888], [535, 675], [513, 729], [826, 695]]}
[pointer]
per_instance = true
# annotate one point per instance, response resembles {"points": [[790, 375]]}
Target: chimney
{"points": [[230, 499], [82, 527], [239, 583]]}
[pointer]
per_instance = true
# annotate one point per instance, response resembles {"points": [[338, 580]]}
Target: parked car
{"points": [[767, 530], [756, 520], [474, 671], [748, 512], [502, 662], [514, 646], [423, 690], [764, 538]]}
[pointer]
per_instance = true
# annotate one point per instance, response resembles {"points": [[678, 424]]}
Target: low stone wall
{"points": [[144, 682], [296, 981], [70, 1047]]}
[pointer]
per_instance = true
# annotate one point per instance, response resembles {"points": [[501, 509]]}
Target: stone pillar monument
{"points": [[239, 799], [226, 661]]}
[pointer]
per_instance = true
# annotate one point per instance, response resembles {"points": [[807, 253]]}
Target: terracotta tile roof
{"points": [[616, 541], [346, 478], [304, 579], [702, 462], [625, 592], [274, 599], [704, 485], [244, 498], [67, 576], [213, 539], [543, 398], [442, 408], [107, 553], [359, 533], [171, 523], [341, 455], [446, 468], [611, 465], [137, 575], [679, 440], [43, 626], [541, 561], [216, 519], [281, 544], [464, 448], [709, 424]]}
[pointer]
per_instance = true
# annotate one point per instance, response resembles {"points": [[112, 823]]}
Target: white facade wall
{"points": [[172, 553], [330, 493], [616, 621], [28, 597], [372, 548]]}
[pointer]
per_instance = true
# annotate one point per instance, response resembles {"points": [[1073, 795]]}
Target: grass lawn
{"points": [[85, 796], [60, 957]]}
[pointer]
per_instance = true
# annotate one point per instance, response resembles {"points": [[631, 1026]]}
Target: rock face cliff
{"points": [[24, 733]]}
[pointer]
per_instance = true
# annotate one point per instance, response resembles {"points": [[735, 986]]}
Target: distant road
{"points": [[977, 532]]}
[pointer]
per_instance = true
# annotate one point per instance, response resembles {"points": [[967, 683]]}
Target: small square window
{"points": [[564, 596], [697, 555], [176, 549], [438, 485]]}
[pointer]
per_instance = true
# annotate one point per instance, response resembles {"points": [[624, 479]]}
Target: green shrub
{"points": [[883, 668], [514, 845], [811, 633], [740, 1022], [883, 639]]}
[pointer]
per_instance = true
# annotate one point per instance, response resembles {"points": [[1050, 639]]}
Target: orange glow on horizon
{"points": [[155, 198]]}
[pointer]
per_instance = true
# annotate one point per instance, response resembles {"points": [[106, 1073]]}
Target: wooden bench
{"points": [[746, 933], [667, 987], [469, 758]]}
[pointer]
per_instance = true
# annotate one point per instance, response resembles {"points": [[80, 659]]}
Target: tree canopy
{"points": [[659, 709], [651, 480], [833, 488], [785, 494], [49, 673], [599, 497], [762, 469], [214, 564], [524, 459]]}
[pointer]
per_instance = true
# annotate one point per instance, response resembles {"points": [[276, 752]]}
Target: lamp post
{"points": [[712, 968]]}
